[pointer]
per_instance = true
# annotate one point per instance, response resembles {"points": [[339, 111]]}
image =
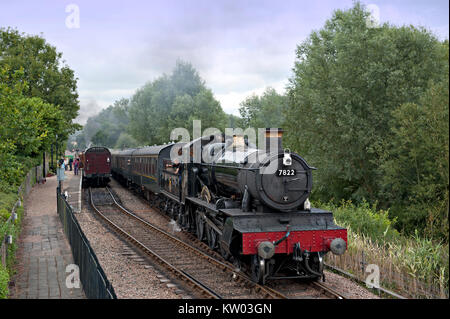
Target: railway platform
{"points": [[72, 185], [43, 252]]}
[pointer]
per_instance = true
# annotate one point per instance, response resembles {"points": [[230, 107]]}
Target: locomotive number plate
{"points": [[286, 172]]}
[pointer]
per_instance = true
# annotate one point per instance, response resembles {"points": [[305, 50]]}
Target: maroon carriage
{"points": [[96, 164]]}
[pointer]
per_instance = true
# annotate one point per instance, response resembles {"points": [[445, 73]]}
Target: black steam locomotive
{"points": [[250, 204]]}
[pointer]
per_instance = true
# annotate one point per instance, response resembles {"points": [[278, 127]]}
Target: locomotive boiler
{"points": [[266, 181]]}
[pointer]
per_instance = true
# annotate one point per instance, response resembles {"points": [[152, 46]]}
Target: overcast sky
{"points": [[238, 47]]}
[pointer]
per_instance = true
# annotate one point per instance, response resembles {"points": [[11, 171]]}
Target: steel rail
{"points": [[329, 290], [197, 285], [359, 281], [269, 293]]}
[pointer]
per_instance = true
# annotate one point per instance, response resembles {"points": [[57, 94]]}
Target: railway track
{"points": [[206, 275], [298, 289]]}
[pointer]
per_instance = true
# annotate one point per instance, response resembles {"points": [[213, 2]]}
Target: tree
{"points": [[44, 73], [265, 111], [173, 101], [27, 125], [100, 138], [416, 169], [348, 79], [235, 121]]}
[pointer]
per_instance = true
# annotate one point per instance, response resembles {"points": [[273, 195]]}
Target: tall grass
{"points": [[414, 266]]}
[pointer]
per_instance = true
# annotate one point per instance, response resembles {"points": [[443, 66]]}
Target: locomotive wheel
{"points": [[258, 269], [211, 237], [200, 225], [162, 205]]}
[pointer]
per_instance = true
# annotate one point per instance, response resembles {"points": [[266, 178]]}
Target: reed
{"points": [[415, 267]]}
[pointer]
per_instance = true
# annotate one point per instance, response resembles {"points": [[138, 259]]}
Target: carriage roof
{"points": [[97, 149]]}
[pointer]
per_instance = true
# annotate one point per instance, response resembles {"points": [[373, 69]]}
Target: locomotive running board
{"points": [[203, 203], [170, 195]]}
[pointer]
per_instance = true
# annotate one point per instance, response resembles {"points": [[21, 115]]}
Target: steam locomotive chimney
{"points": [[273, 138]]}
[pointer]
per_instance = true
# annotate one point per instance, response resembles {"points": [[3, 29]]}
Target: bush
{"points": [[364, 219], [4, 281], [7, 201], [414, 266]]}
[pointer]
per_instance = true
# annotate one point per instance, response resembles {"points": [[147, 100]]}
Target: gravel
{"points": [[132, 276], [347, 287]]}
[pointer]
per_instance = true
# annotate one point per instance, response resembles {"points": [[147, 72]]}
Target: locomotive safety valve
{"points": [[287, 160]]}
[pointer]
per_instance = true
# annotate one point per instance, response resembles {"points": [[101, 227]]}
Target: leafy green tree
{"points": [[100, 138], [348, 79], [265, 111], [202, 106], [145, 111], [44, 73], [235, 121], [27, 125], [172, 101], [416, 171]]}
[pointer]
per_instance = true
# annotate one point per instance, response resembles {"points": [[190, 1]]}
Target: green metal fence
{"points": [[92, 277]]}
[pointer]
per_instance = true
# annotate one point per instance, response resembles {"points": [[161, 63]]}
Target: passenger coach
{"points": [[96, 165]]}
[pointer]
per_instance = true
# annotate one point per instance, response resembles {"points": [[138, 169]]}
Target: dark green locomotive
{"points": [[250, 204]]}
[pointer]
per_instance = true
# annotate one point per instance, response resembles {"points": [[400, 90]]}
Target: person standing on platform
{"points": [[75, 167], [61, 176], [70, 163]]}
